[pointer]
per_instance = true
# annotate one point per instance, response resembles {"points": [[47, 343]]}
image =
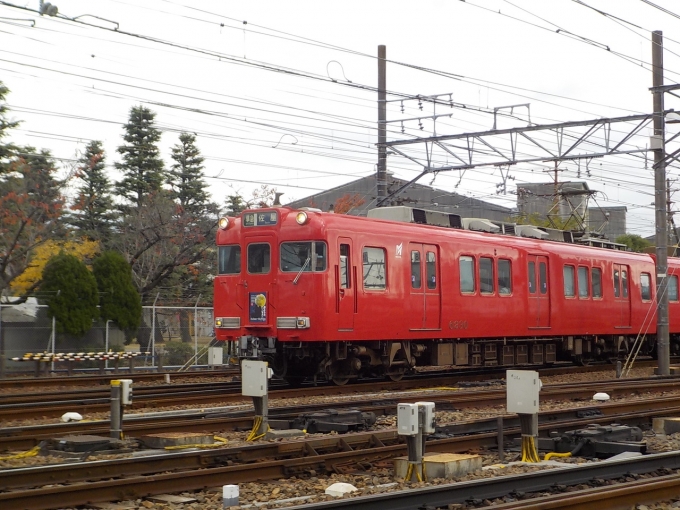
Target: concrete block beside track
{"points": [[442, 465], [283, 434], [165, 440], [666, 426]]}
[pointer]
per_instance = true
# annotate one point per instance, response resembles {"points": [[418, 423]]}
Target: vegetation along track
{"points": [[77, 483]]}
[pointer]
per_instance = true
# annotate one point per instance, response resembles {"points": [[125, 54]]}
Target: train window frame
{"points": [[381, 286], [500, 280], [599, 293], [344, 273], [617, 284], [487, 261], [318, 262], [646, 295], [431, 270], [583, 283], [266, 268], [416, 270], [225, 262], [531, 271], [625, 285], [569, 281], [467, 271], [673, 288]]}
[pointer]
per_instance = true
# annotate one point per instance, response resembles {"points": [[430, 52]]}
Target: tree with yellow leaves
{"points": [[30, 279]]}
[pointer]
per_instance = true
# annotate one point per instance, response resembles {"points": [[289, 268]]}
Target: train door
{"points": [[258, 282], [425, 287], [622, 294], [345, 279], [538, 292]]}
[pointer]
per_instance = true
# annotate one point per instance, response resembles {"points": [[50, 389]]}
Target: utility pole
{"points": [[381, 176], [657, 144]]}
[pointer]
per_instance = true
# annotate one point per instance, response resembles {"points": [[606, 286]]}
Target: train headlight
{"points": [[301, 218], [223, 223]]}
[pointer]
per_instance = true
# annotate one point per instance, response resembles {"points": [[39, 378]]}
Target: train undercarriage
{"points": [[342, 361]]}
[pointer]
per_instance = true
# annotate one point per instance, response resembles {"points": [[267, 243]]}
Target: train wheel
{"points": [[581, 361], [395, 375], [340, 381]]}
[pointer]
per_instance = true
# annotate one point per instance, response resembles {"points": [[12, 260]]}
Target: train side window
{"points": [[624, 283], [486, 275], [532, 277], [259, 255], [583, 290], [431, 266], [504, 277], [617, 292], [597, 282], [569, 281], [345, 279], [415, 270], [467, 274], [673, 288], [646, 286], [229, 259], [543, 277], [374, 269]]}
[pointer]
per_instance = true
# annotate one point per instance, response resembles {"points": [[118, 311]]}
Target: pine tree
{"points": [[119, 300], [186, 176], [142, 166], [5, 125], [93, 209], [72, 294]]}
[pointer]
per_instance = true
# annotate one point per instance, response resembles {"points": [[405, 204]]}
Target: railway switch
{"points": [[595, 441]]}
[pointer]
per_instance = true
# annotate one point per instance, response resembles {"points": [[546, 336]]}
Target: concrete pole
{"points": [[662, 338], [153, 332], [196, 330], [381, 176]]}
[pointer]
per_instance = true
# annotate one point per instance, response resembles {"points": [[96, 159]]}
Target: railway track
{"points": [[77, 483], [220, 419], [54, 404]]}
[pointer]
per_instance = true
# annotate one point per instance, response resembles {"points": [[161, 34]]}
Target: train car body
{"points": [[335, 296]]}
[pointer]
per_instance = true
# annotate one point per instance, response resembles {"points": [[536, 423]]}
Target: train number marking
{"points": [[458, 324]]}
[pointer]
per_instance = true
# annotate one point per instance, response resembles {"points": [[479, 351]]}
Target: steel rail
{"points": [[497, 487], [198, 397], [619, 496], [218, 419]]}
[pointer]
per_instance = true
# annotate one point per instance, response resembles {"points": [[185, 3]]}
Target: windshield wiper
{"points": [[302, 269]]}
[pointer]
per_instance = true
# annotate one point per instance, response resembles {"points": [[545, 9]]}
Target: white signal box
{"points": [[522, 388], [428, 418], [254, 377], [407, 419], [215, 356], [126, 391]]}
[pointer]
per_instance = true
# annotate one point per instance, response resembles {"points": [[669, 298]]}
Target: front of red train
{"points": [[271, 282]]}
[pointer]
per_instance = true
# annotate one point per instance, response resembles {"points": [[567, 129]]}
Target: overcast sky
{"points": [[271, 99]]}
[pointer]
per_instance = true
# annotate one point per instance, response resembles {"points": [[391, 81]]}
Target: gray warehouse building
{"points": [[363, 192]]}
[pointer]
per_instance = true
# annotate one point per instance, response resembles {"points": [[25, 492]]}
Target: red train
{"points": [[322, 295]]}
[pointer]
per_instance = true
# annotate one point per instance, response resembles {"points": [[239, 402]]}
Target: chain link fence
{"points": [[167, 336]]}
